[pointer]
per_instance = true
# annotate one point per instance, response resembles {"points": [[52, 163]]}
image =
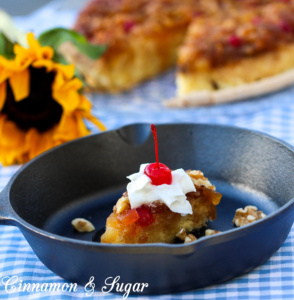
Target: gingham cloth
{"points": [[272, 114]]}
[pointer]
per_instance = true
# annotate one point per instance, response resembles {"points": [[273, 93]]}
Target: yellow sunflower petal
{"points": [[81, 126], [2, 94], [8, 130], [40, 142], [23, 57], [68, 98], [11, 149], [20, 50], [40, 52], [46, 52], [32, 141], [63, 84], [20, 84], [67, 129], [74, 84], [85, 112], [4, 71], [2, 120], [85, 104], [34, 45], [58, 82], [67, 71], [44, 63], [94, 120]]}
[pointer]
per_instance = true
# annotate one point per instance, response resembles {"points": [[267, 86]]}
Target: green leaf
{"points": [[6, 46], [90, 50], [59, 59], [57, 36]]}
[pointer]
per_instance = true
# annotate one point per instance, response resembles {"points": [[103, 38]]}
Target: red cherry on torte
{"points": [[158, 176], [158, 172]]}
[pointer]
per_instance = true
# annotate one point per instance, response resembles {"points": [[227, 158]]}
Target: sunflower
{"points": [[40, 103]]}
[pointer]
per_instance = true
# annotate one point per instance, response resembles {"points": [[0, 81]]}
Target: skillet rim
{"points": [[219, 238]]}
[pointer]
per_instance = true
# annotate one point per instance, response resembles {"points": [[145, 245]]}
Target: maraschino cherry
{"points": [[158, 172], [145, 215]]}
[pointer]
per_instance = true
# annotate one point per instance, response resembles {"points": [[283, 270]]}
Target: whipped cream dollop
{"points": [[142, 191]]}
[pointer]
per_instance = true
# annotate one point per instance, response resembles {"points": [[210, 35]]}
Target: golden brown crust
{"points": [[236, 34], [110, 22], [126, 64], [166, 224], [238, 81], [144, 36]]}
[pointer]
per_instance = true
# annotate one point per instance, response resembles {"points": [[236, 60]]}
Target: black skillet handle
{"points": [[6, 211]]}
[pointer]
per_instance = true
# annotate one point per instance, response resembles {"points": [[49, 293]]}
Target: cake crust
{"points": [[142, 38], [123, 227], [236, 55], [229, 37], [216, 44]]}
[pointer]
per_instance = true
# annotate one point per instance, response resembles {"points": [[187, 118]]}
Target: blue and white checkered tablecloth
{"points": [[272, 114]]}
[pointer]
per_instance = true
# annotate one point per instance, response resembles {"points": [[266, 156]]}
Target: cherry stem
{"points": [[154, 130]]}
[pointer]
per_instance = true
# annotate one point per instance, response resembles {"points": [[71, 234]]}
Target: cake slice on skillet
{"points": [[165, 219], [161, 205]]}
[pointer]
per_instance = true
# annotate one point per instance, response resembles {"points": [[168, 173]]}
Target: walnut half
{"points": [[122, 204], [82, 225], [247, 215], [199, 179], [186, 238], [209, 232]]}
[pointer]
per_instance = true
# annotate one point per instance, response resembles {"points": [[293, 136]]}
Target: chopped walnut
{"points": [[190, 238], [182, 234], [247, 215], [122, 204], [82, 225], [211, 232], [199, 179], [186, 238]]}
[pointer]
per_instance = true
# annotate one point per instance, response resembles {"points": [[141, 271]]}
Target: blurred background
{"points": [[21, 7]]}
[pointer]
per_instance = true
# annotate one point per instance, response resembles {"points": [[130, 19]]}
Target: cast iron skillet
{"points": [[84, 178]]}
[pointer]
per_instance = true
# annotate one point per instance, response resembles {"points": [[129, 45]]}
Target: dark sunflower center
{"points": [[39, 109]]}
